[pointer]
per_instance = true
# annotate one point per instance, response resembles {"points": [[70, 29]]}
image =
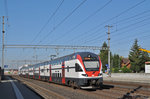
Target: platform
{"points": [[128, 77], [12, 89]]}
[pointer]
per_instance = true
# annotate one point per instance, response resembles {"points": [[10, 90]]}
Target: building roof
{"points": [[125, 60], [147, 62]]}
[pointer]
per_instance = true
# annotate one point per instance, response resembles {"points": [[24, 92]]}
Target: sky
{"points": [[72, 22]]}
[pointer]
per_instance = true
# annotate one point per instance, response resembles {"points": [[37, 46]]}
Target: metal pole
{"points": [[108, 69], [3, 45], [56, 47]]}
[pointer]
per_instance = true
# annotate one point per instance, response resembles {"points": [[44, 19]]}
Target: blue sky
{"points": [[130, 20]]}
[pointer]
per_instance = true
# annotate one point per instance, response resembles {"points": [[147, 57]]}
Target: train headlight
{"points": [[100, 74], [84, 75]]}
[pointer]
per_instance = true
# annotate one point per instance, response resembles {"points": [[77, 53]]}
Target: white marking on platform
{"points": [[3, 81], [17, 92]]}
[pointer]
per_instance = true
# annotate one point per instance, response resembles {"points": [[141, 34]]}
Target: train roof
{"points": [[64, 58], [77, 53]]}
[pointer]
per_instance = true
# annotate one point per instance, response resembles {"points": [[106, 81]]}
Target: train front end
{"points": [[90, 68]]}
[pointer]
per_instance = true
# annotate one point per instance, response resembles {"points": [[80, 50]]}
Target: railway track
{"points": [[109, 90]]}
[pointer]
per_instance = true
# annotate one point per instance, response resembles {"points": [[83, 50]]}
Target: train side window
{"points": [[67, 68], [60, 74], [78, 68], [42, 70]]}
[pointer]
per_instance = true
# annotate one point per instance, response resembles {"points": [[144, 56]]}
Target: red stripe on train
{"points": [[100, 64], [63, 73], [50, 73], [39, 74], [33, 73]]}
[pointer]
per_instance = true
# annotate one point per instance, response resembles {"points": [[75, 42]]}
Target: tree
{"points": [[124, 69], [104, 56], [115, 70], [116, 61], [135, 57], [145, 57]]}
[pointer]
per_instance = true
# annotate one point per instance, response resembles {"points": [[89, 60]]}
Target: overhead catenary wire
{"points": [[114, 42], [60, 23], [84, 20], [101, 26], [125, 37], [121, 21], [101, 36], [129, 36], [49, 19], [120, 29], [110, 19], [139, 14]]}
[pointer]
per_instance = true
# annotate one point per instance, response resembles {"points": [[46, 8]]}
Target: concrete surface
{"points": [[128, 77], [7, 90]]}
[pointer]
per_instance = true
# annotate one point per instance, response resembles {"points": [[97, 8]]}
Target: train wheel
{"points": [[75, 85], [101, 86], [70, 84]]}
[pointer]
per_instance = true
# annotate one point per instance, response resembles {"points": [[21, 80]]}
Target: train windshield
{"points": [[90, 61], [91, 65]]}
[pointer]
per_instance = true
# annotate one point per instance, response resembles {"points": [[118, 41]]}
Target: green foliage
{"points": [[145, 57], [124, 69], [137, 58], [115, 70], [104, 56], [116, 61]]}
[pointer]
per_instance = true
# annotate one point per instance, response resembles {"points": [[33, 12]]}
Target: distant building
{"points": [[125, 62], [11, 71], [147, 67]]}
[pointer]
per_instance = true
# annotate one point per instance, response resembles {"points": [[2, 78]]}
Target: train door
{"points": [[39, 74], [50, 73], [46, 71], [63, 72], [33, 73]]}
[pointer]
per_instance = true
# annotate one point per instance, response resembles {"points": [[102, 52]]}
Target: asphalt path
{"points": [[13, 89]]}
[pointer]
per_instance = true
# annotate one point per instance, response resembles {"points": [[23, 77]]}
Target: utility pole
{"points": [[108, 69], [3, 45], [2, 65]]}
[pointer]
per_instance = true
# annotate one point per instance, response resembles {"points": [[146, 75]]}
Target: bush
{"points": [[115, 70], [124, 69]]}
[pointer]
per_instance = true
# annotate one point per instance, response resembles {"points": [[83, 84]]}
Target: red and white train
{"points": [[81, 69]]}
